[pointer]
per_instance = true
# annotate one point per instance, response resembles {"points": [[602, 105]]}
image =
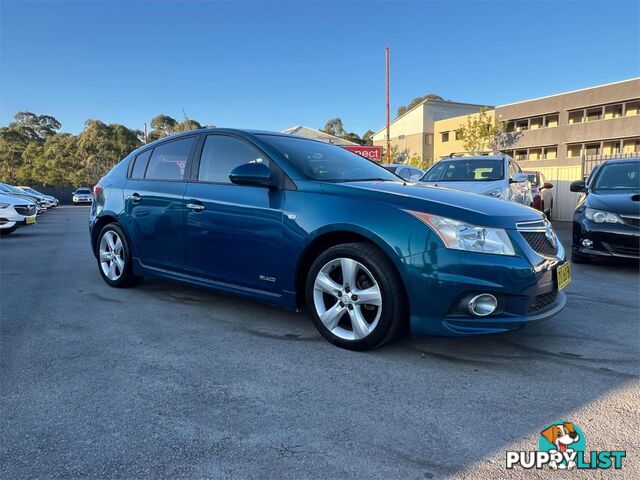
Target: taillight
{"points": [[97, 190]]}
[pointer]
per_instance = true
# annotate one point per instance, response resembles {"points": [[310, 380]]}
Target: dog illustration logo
{"points": [[564, 438]]}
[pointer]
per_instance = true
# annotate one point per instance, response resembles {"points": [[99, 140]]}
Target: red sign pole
{"points": [[386, 51]]}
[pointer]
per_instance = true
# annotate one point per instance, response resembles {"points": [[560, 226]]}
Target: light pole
{"points": [[386, 52]]}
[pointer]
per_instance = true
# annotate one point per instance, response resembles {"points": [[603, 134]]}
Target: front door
{"points": [[154, 202], [233, 232]]}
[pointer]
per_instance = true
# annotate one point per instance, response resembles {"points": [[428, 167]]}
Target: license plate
{"points": [[564, 275], [30, 220]]}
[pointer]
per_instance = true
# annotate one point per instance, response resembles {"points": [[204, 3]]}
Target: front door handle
{"points": [[195, 207], [135, 198]]}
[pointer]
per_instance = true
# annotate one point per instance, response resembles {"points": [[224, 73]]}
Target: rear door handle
{"points": [[195, 207], [134, 197]]}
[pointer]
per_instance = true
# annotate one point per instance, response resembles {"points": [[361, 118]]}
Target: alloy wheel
{"points": [[347, 299], [111, 255]]}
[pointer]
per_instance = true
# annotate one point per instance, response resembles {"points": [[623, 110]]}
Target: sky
{"points": [[273, 65]]}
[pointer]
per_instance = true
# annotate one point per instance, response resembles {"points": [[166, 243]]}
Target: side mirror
{"points": [[256, 174], [548, 185], [519, 178], [578, 186]]}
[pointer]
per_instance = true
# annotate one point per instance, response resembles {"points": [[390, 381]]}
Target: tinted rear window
{"points": [[140, 164], [83, 191], [169, 160]]}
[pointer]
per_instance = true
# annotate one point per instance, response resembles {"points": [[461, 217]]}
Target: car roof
{"points": [[621, 160], [479, 157]]}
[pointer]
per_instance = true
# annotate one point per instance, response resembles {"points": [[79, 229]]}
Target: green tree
{"points": [[334, 127], [353, 137], [367, 138], [483, 132], [416, 101]]}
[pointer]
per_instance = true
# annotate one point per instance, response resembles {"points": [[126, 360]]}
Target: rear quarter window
{"points": [[140, 164]]}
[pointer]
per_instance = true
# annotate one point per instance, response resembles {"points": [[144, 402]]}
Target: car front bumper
{"points": [[608, 239], [440, 282]]}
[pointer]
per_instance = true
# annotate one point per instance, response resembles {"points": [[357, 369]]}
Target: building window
{"points": [[511, 126], [537, 122], [535, 154], [613, 111], [592, 149], [594, 114], [551, 120], [631, 145], [459, 134], [576, 116], [611, 148], [633, 108], [550, 153], [574, 151], [428, 139], [522, 125], [521, 155], [445, 137]]}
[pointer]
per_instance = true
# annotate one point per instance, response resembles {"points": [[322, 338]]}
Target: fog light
{"points": [[483, 304], [587, 243]]}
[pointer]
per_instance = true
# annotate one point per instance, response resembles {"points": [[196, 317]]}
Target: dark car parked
{"points": [[300, 223], [606, 221]]}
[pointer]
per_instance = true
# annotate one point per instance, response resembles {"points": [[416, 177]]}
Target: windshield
{"points": [[618, 176], [325, 162], [533, 178], [462, 170], [30, 190], [83, 191], [11, 188]]}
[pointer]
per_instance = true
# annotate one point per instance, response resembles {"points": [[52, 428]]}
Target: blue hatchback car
{"points": [[303, 224]]}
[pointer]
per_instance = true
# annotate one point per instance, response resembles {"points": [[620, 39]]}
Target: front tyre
{"points": [[114, 257], [355, 296], [7, 231]]}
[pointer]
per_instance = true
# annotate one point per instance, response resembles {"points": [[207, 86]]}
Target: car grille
{"points": [[26, 210], [540, 302], [633, 221], [539, 242]]}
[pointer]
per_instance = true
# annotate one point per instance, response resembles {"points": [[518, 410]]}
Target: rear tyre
{"points": [[355, 296], [114, 257], [550, 212], [579, 258]]}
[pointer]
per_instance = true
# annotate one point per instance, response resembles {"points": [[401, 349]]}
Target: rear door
{"points": [[155, 206], [233, 232]]}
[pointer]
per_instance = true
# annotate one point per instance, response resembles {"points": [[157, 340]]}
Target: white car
{"points": [[51, 201], [496, 176], [82, 195], [15, 212]]}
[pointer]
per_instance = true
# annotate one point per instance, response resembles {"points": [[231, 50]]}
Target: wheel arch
{"points": [[339, 235]]}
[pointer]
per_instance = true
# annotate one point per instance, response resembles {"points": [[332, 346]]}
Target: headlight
{"points": [[600, 216], [4, 205], [495, 193], [462, 236]]}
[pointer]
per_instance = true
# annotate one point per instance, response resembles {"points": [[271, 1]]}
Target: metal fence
{"points": [[590, 161]]}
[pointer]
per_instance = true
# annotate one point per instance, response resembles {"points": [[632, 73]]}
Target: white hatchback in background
{"points": [[496, 176], [16, 212]]}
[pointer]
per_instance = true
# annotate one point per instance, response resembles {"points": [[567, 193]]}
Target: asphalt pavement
{"points": [[168, 381]]}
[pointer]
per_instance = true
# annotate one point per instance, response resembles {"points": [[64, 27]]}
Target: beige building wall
{"points": [[445, 141], [413, 132]]}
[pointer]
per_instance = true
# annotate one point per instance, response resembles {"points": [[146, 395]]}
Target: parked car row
{"points": [[19, 206]]}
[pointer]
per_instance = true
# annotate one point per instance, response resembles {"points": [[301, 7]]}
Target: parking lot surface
{"points": [[164, 380]]}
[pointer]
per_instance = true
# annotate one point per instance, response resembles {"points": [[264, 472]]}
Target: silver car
{"points": [[496, 176], [82, 195]]}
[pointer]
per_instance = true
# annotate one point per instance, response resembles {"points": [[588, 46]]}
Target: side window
{"points": [[415, 174], [221, 154], [512, 169], [140, 164], [169, 160], [434, 174], [403, 172]]}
